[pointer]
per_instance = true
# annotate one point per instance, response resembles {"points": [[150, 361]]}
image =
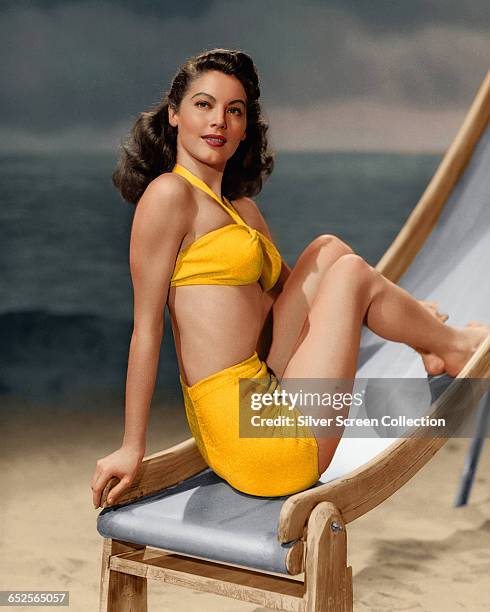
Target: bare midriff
{"points": [[215, 326]]}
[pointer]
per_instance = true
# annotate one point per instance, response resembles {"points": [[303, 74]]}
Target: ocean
{"points": [[66, 296]]}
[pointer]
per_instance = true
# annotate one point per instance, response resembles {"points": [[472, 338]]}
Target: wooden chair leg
{"points": [[328, 580], [120, 592]]}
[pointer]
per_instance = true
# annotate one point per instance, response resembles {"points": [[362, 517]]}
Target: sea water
{"points": [[65, 292]]}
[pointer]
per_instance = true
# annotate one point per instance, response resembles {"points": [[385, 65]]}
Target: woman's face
{"points": [[215, 103]]}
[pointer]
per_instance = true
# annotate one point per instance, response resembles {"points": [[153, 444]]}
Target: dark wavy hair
{"points": [[151, 147]]}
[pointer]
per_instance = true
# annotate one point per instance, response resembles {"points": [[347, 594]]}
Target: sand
{"points": [[413, 552]]}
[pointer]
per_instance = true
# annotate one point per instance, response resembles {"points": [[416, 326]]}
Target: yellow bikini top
{"points": [[235, 254]]}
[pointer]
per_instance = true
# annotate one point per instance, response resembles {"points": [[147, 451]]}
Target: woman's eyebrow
{"points": [[201, 93]]}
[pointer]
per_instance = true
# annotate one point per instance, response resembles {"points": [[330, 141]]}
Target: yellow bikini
{"points": [[237, 254]]}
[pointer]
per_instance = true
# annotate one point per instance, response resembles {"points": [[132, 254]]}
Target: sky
{"points": [[359, 75]]}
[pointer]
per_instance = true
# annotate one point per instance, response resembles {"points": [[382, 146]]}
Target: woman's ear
{"points": [[172, 117], [244, 136]]}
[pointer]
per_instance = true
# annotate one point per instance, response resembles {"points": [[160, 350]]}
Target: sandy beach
{"points": [[414, 552]]}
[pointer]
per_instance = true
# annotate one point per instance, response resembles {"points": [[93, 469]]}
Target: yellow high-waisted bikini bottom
{"points": [[264, 466]]}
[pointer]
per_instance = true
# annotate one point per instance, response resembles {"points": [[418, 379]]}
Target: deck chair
{"points": [[180, 523]]}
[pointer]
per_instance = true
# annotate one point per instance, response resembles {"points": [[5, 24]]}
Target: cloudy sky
{"points": [[335, 74]]}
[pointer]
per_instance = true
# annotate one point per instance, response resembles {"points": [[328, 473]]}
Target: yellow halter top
{"points": [[235, 254]]}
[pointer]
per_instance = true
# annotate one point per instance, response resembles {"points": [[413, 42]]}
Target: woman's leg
{"points": [[351, 293], [290, 309]]}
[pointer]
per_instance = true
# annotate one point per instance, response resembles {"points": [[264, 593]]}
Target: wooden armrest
{"points": [[159, 471], [364, 488]]}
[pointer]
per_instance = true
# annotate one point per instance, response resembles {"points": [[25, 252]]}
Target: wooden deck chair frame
{"points": [[320, 579]]}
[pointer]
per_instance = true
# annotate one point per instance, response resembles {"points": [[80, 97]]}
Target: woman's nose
{"points": [[219, 119]]}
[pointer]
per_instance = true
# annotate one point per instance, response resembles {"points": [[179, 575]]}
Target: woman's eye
{"points": [[233, 108]]}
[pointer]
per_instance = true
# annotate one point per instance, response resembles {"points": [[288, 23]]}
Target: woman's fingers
{"points": [[116, 491], [433, 307], [100, 479], [98, 487], [94, 487], [122, 466]]}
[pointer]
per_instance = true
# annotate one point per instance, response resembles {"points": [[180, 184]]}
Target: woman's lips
{"points": [[213, 142]]}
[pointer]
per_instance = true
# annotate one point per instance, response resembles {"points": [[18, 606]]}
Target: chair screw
{"points": [[336, 527]]}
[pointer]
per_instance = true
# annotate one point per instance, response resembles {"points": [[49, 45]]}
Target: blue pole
{"points": [[474, 451]]}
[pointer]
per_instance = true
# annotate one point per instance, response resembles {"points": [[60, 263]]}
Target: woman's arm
{"points": [[159, 225], [283, 277]]}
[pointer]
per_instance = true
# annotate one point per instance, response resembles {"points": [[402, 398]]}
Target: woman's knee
{"points": [[330, 241], [352, 268], [325, 249]]}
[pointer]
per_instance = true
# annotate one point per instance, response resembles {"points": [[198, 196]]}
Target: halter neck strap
{"points": [[200, 184]]}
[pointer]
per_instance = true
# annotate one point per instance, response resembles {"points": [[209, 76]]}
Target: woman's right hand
{"points": [[122, 463]]}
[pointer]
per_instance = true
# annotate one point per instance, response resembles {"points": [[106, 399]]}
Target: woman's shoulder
{"points": [[169, 193], [247, 209], [169, 184], [165, 205], [250, 213]]}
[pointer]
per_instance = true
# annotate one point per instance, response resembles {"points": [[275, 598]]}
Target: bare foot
{"points": [[472, 335], [433, 364]]}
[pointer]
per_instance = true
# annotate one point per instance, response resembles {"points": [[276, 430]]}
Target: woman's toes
{"points": [[477, 329], [473, 334]]}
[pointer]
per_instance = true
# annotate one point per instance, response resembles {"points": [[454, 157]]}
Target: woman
{"points": [[200, 244]]}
